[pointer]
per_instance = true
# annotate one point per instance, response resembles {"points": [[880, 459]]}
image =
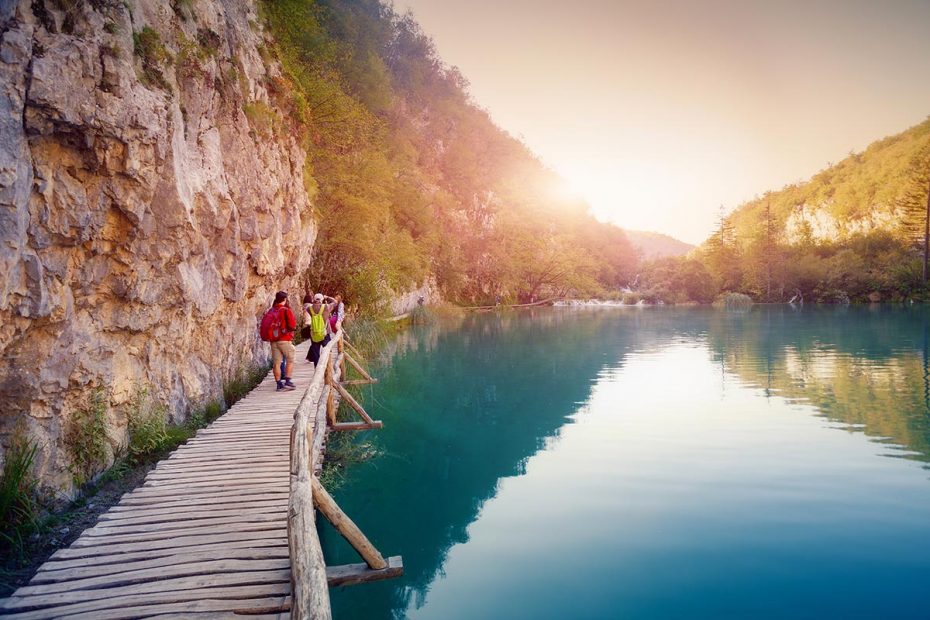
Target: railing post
{"points": [[330, 397]]}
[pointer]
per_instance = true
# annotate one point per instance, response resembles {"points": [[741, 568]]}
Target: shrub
{"points": [[734, 301], [148, 423], [87, 439], [148, 47], [242, 383], [19, 507]]}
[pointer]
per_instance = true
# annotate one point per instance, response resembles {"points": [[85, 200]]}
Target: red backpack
{"points": [[272, 326]]}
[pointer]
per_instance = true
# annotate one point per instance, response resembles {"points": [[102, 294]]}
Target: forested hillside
{"points": [[853, 232], [412, 179]]}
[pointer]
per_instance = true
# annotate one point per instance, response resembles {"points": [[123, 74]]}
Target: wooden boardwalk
{"points": [[205, 536]]}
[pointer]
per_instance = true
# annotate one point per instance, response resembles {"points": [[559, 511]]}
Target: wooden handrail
{"points": [[309, 588]]}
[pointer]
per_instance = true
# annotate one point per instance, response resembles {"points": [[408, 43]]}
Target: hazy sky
{"points": [[658, 112]]}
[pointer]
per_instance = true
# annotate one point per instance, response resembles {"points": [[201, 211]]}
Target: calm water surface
{"points": [[649, 463]]}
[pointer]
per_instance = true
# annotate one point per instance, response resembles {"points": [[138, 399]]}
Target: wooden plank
{"points": [[89, 541], [195, 473], [146, 514], [213, 554], [60, 563], [108, 529], [133, 594], [217, 482], [130, 502], [154, 545], [351, 574], [243, 488], [190, 569], [230, 607]]}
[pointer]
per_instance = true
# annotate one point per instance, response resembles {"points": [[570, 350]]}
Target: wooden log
{"points": [[345, 526], [358, 382], [351, 574], [354, 404], [357, 426], [309, 590], [330, 399], [358, 367], [353, 349]]}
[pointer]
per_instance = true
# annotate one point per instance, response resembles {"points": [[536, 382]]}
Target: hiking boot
{"points": [[280, 386], [289, 383]]}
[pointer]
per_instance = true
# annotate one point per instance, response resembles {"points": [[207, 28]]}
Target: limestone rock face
{"points": [[151, 203]]}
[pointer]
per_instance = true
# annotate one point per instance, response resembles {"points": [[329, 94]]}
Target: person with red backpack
{"points": [[277, 327]]}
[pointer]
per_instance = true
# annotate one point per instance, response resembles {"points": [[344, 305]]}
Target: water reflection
{"points": [[466, 405]]}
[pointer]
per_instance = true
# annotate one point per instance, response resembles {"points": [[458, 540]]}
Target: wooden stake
{"points": [[330, 400], [330, 509], [357, 426], [354, 403], [359, 368]]}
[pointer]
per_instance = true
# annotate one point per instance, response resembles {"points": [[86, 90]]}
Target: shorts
{"points": [[282, 349]]}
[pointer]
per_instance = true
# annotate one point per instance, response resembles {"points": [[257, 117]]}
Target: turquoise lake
{"points": [[648, 463]]}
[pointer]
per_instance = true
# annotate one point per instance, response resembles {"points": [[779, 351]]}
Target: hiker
{"points": [[337, 313], [317, 317], [282, 325]]}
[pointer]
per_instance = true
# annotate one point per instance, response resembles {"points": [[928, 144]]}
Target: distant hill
{"points": [[852, 232], [861, 194], [657, 245]]}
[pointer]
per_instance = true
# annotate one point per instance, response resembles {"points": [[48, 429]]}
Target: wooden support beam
{"points": [[357, 426], [358, 367], [354, 404], [330, 398], [358, 382], [351, 574], [354, 350], [345, 526]]}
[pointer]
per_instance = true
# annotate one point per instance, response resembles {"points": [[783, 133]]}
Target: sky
{"points": [[660, 113]]}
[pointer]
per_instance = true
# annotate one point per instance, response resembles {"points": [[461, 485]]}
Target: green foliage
{"points": [[750, 252], [86, 437], [677, 279], [147, 45], [344, 449], [147, 421], [19, 505], [411, 179], [263, 119], [734, 301], [242, 382]]}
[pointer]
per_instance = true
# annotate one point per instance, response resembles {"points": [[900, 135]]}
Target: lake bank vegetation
{"points": [[855, 232]]}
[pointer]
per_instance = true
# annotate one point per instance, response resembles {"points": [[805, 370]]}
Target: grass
{"points": [[262, 118], [242, 382], [147, 420], [368, 335], [86, 438], [345, 448], [19, 506], [151, 51]]}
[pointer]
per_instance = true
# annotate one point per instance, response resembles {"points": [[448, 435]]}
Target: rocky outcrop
{"points": [[151, 203], [816, 223]]}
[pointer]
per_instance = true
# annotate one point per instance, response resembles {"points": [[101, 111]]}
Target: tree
{"points": [[915, 203]]}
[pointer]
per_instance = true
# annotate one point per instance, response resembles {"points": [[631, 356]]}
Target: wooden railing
{"points": [[316, 414]]}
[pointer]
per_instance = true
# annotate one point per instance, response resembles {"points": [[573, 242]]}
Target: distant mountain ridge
{"points": [[657, 245]]}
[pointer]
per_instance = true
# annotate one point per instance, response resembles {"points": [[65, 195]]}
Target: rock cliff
{"points": [[151, 202]]}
